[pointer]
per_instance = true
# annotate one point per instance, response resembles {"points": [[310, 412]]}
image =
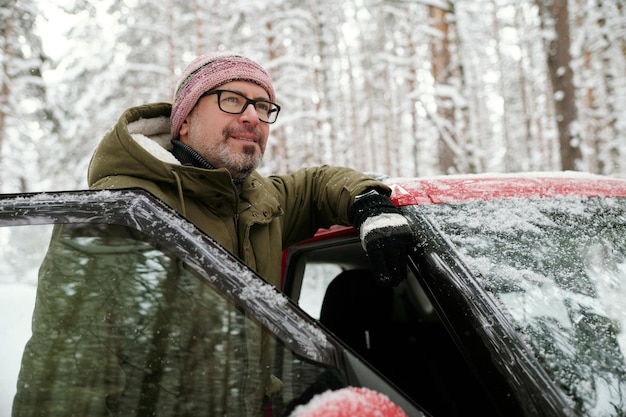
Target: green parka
{"points": [[255, 224]]}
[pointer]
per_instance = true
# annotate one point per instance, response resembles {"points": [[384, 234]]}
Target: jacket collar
{"points": [[188, 156]]}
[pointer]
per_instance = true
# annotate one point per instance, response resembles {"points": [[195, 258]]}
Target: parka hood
{"points": [[137, 146]]}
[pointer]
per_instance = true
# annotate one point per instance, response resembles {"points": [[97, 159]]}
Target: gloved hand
{"points": [[385, 235]]}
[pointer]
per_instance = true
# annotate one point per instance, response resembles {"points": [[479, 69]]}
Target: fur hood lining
{"points": [[154, 136]]}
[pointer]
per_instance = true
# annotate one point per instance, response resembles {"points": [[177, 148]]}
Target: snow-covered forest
{"points": [[402, 87]]}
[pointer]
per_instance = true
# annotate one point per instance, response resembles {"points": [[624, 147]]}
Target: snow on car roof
{"points": [[472, 187], [457, 188]]}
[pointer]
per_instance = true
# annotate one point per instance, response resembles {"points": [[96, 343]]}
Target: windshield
{"points": [[558, 269]]}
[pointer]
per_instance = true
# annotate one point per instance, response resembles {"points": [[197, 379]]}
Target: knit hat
{"points": [[209, 71]]}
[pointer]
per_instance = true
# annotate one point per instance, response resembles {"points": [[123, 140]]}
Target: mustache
{"points": [[235, 131]]}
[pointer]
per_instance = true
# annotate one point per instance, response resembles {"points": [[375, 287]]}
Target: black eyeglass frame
{"points": [[248, 102]]}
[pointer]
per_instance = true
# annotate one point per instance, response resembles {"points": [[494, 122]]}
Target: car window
{"points": [[557, 268], [316, 265], [117, 318], [315, 281]]}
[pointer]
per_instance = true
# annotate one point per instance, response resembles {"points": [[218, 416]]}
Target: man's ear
{"points": [[184, 130]]}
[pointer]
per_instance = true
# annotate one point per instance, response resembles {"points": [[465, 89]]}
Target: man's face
{"points": [[232, 141]]}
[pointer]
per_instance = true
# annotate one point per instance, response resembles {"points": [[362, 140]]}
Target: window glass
{"points": [[558, 269], [317, 277], [22, 250], [120, 326]]}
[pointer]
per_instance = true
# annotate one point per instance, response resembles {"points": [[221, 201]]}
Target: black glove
{"points": [[385, 235]]}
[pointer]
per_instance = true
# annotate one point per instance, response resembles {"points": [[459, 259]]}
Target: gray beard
{"points": [[240, 165]]}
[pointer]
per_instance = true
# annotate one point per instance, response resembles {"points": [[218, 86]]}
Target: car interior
{"points": [[396, 330]]}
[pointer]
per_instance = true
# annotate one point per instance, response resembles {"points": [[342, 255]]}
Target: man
{"points": [[199, 155], [122, 328]]}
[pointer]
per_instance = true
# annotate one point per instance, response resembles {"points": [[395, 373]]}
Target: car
{"points": [[514, 303], [113, 304], [512, 306]]}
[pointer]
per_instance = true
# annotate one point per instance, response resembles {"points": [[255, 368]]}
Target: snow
{"points": [[17, 301], [382, 221], [264, 295]]}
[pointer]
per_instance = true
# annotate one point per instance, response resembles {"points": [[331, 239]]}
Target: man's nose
{"points": [[249, 115]]}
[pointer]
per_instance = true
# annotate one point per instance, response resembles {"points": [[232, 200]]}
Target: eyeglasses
{"points": [[235, 103]]}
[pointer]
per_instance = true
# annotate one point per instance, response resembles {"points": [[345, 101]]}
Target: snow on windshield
{"points": [[558, 269]]}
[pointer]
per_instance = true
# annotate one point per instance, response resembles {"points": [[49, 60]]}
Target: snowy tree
{"points": [[402, 87], [554, 16], [84, 91], [24, 120], [601, 63]]}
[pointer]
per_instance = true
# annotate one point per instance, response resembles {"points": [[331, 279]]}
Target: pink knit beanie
{"points": [[209, 71]]}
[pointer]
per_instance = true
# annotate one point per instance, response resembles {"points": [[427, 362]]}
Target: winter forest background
{"points": [[406, 88]]}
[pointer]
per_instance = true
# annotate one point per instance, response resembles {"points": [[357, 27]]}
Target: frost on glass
{"points": [[558, 269]]}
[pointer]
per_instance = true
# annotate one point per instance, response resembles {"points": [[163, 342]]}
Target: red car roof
{"points": [[471, 187], [456, 188]]}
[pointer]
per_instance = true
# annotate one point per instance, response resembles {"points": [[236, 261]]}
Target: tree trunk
{"points": [[554, 18], [440, 53]]}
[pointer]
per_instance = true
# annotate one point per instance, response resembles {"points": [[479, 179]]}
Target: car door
{"points": [[113, 304], [403, 332]]}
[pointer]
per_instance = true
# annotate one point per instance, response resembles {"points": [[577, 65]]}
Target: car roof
{"points": [[471, 187], [489, 186]]}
